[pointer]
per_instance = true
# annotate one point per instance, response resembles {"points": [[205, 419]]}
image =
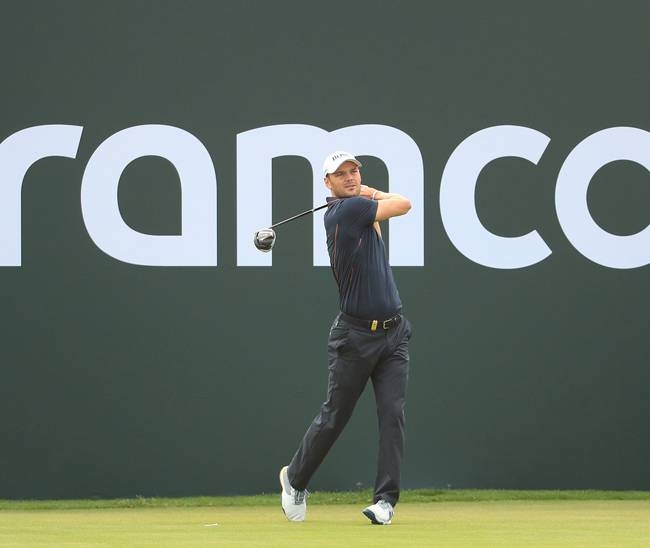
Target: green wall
{"points": [[122, 380]]}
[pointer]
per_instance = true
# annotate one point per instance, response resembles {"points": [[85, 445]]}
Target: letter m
{"points": [[257, 148]]}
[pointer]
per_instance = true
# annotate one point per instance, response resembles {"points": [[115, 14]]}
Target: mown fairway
{"points": [[555, 523]]}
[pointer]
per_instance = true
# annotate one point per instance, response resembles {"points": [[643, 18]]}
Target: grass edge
{"points": [[326, 497]]}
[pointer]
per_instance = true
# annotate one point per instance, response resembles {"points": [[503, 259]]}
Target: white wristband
{"points": [[374, 194]]}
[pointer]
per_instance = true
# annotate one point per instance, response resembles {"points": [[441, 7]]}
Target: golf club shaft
{"points": [[299, 215]]}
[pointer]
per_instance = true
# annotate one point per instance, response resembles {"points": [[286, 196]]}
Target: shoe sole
{"points": [[371, 516], [284, 489]]}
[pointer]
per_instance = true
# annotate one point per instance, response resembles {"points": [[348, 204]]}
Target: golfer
{"points": [[368, 339]]}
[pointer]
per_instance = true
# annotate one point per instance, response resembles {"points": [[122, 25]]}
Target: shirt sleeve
{"points": [[359, 211]]}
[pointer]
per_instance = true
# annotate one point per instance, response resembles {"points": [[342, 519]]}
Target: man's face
{"points": [[345, 182]]}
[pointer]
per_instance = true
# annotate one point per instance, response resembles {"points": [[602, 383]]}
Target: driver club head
{"points": [[264, 239]]}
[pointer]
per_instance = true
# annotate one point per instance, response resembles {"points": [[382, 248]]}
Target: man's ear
{"points": [[327, 182]]}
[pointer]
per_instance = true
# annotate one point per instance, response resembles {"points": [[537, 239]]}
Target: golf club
{"points": [[264, 239]]}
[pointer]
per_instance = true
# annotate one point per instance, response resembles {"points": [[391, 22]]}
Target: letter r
{"points": [[17, 153]]}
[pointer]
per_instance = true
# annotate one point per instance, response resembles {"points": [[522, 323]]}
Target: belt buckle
{"points": [[383, 324]]}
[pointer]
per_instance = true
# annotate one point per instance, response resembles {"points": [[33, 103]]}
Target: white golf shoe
{"points": [[380, 513], [294, 503]]}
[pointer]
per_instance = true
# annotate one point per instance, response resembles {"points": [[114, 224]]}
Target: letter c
{"points": [[457, 191]]}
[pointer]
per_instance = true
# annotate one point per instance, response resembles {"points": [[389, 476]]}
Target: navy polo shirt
{"points": [[358, 258]]}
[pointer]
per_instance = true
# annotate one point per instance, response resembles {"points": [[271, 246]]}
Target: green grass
{"points": [[490, 523], [423, 518]]}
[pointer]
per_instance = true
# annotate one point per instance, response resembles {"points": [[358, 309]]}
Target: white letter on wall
{"points": [[597, 150], [17, 153], [257, 148], [197, 243], [458, 206]]}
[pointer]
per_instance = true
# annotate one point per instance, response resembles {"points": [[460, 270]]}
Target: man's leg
{"points": [[390, 379], [348, 375]]}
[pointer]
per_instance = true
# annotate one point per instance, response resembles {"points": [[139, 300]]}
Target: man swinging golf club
{"points": [[368, 339]]}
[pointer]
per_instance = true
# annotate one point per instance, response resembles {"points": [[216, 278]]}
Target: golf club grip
{"points": [[299, 215]]}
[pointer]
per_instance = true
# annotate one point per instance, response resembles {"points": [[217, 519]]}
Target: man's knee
{"points": [[391, 413], [334, 416]]}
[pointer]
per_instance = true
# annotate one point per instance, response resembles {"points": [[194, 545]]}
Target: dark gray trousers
{"points": [[356, 354]]}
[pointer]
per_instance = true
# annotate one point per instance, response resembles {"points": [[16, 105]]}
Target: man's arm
{"points": [[389, 204]]}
